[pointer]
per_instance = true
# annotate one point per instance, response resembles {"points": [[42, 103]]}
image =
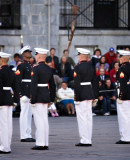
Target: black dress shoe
{"points": [[28, 140], [32, 139], [40, 148], [3, 152], [46, 147], [83, 145], [122, 142]]}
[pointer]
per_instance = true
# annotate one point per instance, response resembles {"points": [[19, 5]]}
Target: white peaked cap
{"points": [[4, 55], [1, 53], [83, 51], [41, 50], [124, 53], [25, 48]]}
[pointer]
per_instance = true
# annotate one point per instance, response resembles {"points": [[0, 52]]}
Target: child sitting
{"points": [[53, 111]]}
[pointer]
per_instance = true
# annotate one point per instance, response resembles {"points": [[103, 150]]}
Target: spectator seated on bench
{"points": [[65, 71], [107, 96], [113, 72], [102, 76], [66, 97]]}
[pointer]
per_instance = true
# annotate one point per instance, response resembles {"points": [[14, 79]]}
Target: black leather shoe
{"points": [[83, 145], [40, 148], [3, 152], [32, 139], [28, 140], [46, 147], [122, 142]]}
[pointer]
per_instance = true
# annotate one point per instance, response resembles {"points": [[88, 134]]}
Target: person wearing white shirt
{"points": [[66, 96]]}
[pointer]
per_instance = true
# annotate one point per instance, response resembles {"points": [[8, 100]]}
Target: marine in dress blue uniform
{"points": [[23, 74], [7, 82], [43, 92], [86, 90], [123, 102]]}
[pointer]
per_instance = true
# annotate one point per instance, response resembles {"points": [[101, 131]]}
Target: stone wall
{"points": [[91, 39], [35, 31], [10, 40], [35, 23], [34, 26]]}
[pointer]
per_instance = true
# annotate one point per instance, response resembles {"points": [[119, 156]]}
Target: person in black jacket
{"points": [[23, 74], [123, 102], [107, 96], [43, 92], [69, 59], [102, 77], [96, 57], [65, 69], [86, 90], [54, 60], [7, 82]]}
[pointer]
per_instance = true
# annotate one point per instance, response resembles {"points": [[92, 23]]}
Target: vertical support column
{"points": [[49, 25], [75, 2], [128, 14]]}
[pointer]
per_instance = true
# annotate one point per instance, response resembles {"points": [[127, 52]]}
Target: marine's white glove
{"points": [[94, 102], [14, 104], [76, 102], [24, 98], [119, 101], [33, 105]]}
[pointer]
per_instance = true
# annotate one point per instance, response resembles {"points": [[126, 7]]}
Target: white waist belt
{"points": [[85, 83], [26, 80], [42, 85], [7, 88]]}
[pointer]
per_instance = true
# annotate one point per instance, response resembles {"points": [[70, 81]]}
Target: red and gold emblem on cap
{"points": [[32, 73], [75, 74], [121, 75], [17, 72]]}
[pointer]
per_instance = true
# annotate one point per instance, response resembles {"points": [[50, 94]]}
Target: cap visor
{"points": [[27, 51]]}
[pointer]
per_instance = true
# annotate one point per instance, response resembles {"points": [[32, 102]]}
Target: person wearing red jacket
{"points": [[110, 56], [113, 72]]}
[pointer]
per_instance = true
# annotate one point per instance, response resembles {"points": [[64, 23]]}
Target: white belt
{"points": [[26, 80], [42, 85], [7, 88], [85, 83]]}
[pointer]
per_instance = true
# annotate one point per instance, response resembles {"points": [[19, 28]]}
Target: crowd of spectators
{"points": [[105, 66]]}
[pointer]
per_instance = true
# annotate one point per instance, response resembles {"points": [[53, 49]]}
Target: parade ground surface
{"points": [[64, 135]]}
